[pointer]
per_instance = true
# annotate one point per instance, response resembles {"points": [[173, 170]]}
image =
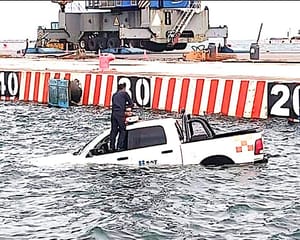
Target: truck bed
{"points": [[240, 132], [202, 137]]}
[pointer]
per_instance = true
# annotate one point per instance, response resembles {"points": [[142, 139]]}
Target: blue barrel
{"points": [[63, 93], [58, 93], [52, 96]]}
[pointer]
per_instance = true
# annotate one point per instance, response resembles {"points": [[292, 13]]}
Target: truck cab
{"points": [[147, 143]]}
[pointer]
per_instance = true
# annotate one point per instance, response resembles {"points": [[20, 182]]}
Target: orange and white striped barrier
{"points": [[33, 87], [247, 98], [199, 96]]}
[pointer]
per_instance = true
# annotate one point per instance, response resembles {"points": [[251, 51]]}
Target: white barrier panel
{"points": [[97, 88], [34, 86], [199, 96]]}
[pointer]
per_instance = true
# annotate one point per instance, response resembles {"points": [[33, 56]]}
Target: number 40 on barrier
{"points": [[9, 84]]}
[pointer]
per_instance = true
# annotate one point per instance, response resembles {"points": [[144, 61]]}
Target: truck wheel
{"points": [[113, 42], [217, 160]]}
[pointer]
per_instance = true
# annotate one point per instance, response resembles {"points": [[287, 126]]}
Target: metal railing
{"points": [[184, 19]]}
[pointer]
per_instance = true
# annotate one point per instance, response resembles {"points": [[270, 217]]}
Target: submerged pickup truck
{"points": [[170, 141]]}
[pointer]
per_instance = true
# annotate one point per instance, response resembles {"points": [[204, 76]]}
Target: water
{"points": [[265, 46], [90, 201]]}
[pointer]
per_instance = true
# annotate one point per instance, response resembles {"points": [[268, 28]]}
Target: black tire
{"points": [[180, 46], [75, 91], [217, 160], [113, 42], [134, 43], [102, 43], [92, 44], [169, 47]]}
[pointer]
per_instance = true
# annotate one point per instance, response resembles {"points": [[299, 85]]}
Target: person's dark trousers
{"points": [[117, 126]]}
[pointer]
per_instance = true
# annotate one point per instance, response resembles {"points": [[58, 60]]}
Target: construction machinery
{"points": [[154, 25]]}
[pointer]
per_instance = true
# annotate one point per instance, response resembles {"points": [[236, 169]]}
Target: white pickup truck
{"points": [[173, 141]]}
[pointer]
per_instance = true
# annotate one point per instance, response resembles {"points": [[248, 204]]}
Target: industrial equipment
{"points": [[154, 25], [202, 54]]}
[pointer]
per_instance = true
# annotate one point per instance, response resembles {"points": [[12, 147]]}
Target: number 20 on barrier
{"points": [[138, 89], [9, 84], [283, 99]]}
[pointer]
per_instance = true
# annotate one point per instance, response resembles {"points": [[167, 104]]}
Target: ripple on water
{"points": [[109, 202]]}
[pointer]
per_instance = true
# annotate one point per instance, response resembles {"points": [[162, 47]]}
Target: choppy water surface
{"points": [[99, 202]]}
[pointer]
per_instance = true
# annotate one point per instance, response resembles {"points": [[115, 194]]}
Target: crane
{"points": [[154, 25]]}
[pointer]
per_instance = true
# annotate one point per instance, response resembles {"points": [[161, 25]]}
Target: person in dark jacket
{"points": [[120, 101]]}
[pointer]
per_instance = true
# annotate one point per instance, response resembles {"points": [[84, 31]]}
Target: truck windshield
{"points": [[78, 151]]}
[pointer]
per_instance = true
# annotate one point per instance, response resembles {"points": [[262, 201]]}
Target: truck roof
{"points": [[153, 122]]}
